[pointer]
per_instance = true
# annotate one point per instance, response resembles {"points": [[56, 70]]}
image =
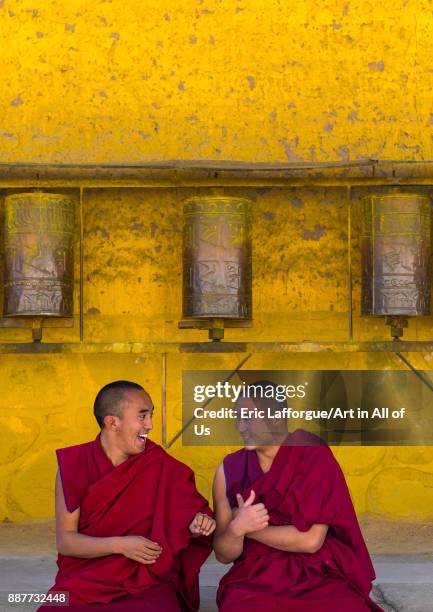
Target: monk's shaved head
{"points": [[111, 397], [267, 395]]}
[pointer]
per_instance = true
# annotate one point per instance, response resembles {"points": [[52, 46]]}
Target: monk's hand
{"points": [[249, 516], [202, 524], [139, 549]]}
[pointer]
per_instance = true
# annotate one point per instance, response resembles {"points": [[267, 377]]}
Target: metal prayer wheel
{"points": [[396, 255], [38, 276], [217, 258]]}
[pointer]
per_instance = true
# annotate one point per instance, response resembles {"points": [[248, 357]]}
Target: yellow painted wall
{"points": [[115, 81], [120, 80]]}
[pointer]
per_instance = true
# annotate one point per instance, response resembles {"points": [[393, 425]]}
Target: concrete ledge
{"points": [[404, 583], [405, 597]]}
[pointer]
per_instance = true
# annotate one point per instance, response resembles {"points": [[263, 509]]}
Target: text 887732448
{"points": [[22, 600]]}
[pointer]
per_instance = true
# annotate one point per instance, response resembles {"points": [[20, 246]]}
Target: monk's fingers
{"points": [[194, 528], [262, 521], [208, 525], [211, 528], [194, 525], [206, 522], [143, 559], [199, 518], [150, 550], [150, 557], [151, 553], [240, 500], [211, 525], [251, 498], [149, 544], [259, 507]]}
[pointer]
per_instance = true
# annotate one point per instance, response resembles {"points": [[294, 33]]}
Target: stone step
{"points": [[403, 584]]}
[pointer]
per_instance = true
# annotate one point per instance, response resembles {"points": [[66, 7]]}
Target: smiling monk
{"points": [[132, 530], [285, 517]]}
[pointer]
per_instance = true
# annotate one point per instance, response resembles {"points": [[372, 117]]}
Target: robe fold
{"points": [[304, 486], [151, 494]]}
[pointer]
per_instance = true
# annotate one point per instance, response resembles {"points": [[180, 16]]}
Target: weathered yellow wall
{"points": [[257, 80], [124, 80]]}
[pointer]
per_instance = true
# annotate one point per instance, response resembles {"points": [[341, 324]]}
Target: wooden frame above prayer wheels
{"points": [[219, 173]]}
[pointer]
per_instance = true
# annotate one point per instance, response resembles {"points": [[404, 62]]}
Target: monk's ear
{"points": [[280, 423], [110, 422]]}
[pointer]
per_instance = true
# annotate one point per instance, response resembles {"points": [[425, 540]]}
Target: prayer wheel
{"points": [[39, 229], [396, 255], [217, 258]]}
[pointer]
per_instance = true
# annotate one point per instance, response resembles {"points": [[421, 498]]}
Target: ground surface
{"points": [[402, 554]]}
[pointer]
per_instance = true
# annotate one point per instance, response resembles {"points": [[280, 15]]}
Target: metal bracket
{"points": [[397, 323], [214, 326], [37, 329]]}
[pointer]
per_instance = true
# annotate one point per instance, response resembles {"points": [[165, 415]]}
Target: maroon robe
{"points": [[151, 494], [304, 486]]}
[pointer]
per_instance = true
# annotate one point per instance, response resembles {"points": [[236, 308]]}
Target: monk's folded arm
{"points": [[228, 544], [290, 539], [86, 547]]}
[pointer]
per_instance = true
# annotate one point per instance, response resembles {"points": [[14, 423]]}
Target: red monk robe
{"points": [[151, 494], [304, 486]]}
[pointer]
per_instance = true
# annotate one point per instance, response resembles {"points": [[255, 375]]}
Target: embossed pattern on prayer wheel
{"points": [[396, 254], [39, 230], [217, 257]]}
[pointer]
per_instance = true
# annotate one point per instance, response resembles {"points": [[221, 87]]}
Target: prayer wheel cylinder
{"points": [[39, 231], [396, 255], [217, 258]]}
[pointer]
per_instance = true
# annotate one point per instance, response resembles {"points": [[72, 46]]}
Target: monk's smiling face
{"points": [[135, 422], [259, 431], [255, 432]]}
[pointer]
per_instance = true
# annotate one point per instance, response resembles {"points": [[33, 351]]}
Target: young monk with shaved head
{"points": [[132, 530], [285, 518]]}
